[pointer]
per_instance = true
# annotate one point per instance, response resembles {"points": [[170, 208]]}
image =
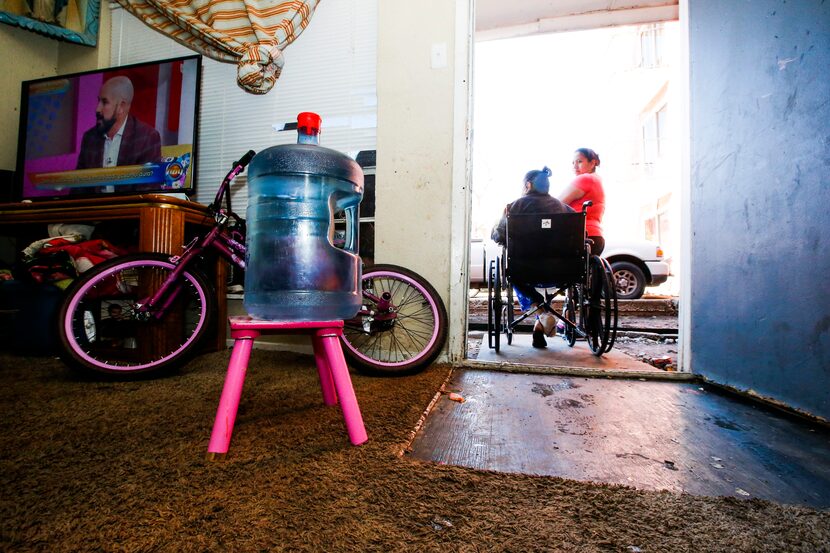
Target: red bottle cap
{"points": [[309, 123]]}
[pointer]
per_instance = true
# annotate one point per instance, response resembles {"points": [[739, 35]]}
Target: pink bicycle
{"points": [[147, 313]]}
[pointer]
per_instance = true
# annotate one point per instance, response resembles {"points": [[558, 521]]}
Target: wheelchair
{"points": [[551, 250]]}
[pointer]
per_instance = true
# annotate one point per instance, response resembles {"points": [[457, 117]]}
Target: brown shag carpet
{"points": [[103, 466]]}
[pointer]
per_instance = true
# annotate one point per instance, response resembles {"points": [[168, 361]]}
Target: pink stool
{"points": [[331, 367]]}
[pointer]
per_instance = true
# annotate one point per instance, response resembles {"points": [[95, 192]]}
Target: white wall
{"points": [[421, 213]]}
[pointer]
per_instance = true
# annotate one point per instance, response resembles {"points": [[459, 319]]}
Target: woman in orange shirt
{"points": [[587, 186]]}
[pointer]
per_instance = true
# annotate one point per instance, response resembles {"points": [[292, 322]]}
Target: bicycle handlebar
{"points": [[245, 160], [237, 168]]}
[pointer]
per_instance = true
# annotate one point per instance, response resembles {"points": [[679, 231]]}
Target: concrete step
{"points": [[644, 307]]}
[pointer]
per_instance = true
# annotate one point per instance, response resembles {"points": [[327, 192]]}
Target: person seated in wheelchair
{"points": [[535, 199]]}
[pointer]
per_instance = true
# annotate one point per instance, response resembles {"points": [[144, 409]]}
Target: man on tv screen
{"points": [[118, 138]]}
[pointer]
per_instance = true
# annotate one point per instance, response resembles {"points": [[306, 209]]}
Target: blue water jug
{"points": [[295, 270]]}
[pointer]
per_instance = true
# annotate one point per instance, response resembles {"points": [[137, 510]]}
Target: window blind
{"points": [[329, 70]]}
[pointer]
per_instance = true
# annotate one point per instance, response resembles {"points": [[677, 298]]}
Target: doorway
{"points": [[616, 90]]}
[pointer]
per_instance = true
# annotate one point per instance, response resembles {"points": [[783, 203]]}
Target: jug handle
{"points": [[351, 229]]}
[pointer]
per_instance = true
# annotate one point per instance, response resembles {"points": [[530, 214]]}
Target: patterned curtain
{"points": [[251, 33]]}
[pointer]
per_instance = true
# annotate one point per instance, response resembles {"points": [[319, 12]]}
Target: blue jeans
{"points": [[528, 295]]}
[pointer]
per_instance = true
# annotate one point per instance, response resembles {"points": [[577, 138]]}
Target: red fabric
{"points": [[51, 267], [94, 250], [60, 259], [591, 185], [175, 93]]}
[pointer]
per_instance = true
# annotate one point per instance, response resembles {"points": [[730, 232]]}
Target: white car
{"points": [[636, 264]]}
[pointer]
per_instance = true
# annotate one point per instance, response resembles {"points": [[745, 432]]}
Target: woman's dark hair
{"points": [[589, 154], [538, 179]]}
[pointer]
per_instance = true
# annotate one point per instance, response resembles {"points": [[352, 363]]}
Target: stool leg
{"points": [[220, 438], [324, 371], [345, 391]]}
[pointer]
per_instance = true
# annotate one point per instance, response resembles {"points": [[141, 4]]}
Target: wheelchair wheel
{"points": [[569, 312], [494, 305], [508, 311], [609, 273], [490, 277], [498, 307], [600, 299]]}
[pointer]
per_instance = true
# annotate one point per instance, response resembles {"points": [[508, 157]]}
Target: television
{"points": [[109, 132]]}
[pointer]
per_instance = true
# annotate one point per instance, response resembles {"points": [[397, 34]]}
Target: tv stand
{"points": [[161, 227]]}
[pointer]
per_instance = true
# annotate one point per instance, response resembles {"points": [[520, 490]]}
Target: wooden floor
{"points": [[677, 436]]}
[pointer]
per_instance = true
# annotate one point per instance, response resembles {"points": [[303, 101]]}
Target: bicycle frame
{"points": [[385, 312], [229, 243]]}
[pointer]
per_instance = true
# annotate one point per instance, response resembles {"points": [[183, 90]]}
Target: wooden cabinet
{"points": [[164, 223]]}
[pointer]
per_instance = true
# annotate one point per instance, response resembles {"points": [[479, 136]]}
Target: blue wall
{"points": [[760, 174]]}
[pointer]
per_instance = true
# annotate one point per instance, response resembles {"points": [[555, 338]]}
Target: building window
{"points": [[661, 124], [650, 228], [651, 46], [655, 133]]}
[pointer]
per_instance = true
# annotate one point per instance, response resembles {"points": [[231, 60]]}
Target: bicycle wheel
{"points": [[97, 339], [402, 326]]}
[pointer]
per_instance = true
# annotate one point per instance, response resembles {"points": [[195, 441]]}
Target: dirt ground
{"points": [[647, 349], [655, 338]]}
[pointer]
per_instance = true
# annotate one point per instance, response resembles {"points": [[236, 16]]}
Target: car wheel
{"points": [[630, 280]]}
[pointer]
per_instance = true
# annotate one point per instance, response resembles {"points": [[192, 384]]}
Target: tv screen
{"points": [[123, 130]]}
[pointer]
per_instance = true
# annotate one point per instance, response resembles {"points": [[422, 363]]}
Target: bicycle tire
{"points": [[147, 345], [403, 345]]}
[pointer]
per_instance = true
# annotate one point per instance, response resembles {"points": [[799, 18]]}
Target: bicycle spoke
{"points": [[403, 338], [413, 323], [105, 330]]}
